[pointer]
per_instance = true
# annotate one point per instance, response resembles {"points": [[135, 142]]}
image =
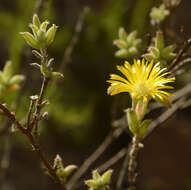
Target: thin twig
{"points": [[182, 63], [123, 170], [180, 54], [5, 159], [166, 115], [36, 147], [29, 114], [34, 124], [112, 160], [89, 161], [132, 164], [75, 38]]}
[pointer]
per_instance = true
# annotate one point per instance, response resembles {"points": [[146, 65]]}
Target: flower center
{"points": [[142, 88]]}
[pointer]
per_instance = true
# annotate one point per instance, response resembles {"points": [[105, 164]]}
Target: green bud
{"points": [[57, 75], [69, 169], [122, 53], [50, 34], [120, 43], [60, 173], [95, 175], [36, 20], [41, 35], [131, 37], [106, 177], [137, 42], [99, 182], [158, 52], [29, 38], [159, 41], [34, 30], [167, 50], [128, 44], [158, 14], [7, 70], [155, 52], [143, 128], [16, 79], [122, 34], [2, 81], [92, 183], [44, 25], [133, 51], [58, 162], [132, 121]]}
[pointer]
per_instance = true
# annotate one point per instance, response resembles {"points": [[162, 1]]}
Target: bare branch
{"points": [[180, 54], [96, 154], [73, 42], [112, 160]]}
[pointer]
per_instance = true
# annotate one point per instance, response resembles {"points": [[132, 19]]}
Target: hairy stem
{"points": [[132, 174], [34, 124], [33, 142]]}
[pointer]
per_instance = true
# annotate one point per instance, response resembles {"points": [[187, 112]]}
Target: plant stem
{"points": [[34, 124], [132, 174], [34, 144], [114, 134]]}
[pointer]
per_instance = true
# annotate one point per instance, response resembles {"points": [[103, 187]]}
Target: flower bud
{"points": [[69, 169], [120, 43], [44, 25], [57, 75], [132, 121], [158, 14], [50, 34], [143, 128], [41, 36], [34, 29], [155, 52], [122, 34], [36, 20], [159, 40], [128, 45], [99, 182], [7, 70], [95, 174], [17, 79], [29, 38], [122, 53], [92, 183], [106, 177]]}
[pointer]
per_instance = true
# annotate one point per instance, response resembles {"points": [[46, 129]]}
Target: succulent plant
{"points": [[99, 182], [159, 52], [158, 14], [128, 44], [8, 81], [40, 37], [61, 171]]}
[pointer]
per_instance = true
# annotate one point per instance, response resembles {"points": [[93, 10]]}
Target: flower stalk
{"points": [[132, 174]]}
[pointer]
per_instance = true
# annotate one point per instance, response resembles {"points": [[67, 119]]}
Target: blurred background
{"points": [[80, 110]]}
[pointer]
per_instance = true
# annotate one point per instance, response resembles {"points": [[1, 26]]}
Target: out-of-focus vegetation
{"points": [[79, 109]]}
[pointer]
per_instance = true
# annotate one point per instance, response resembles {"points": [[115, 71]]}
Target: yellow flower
{"points": [[143, 81]]}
